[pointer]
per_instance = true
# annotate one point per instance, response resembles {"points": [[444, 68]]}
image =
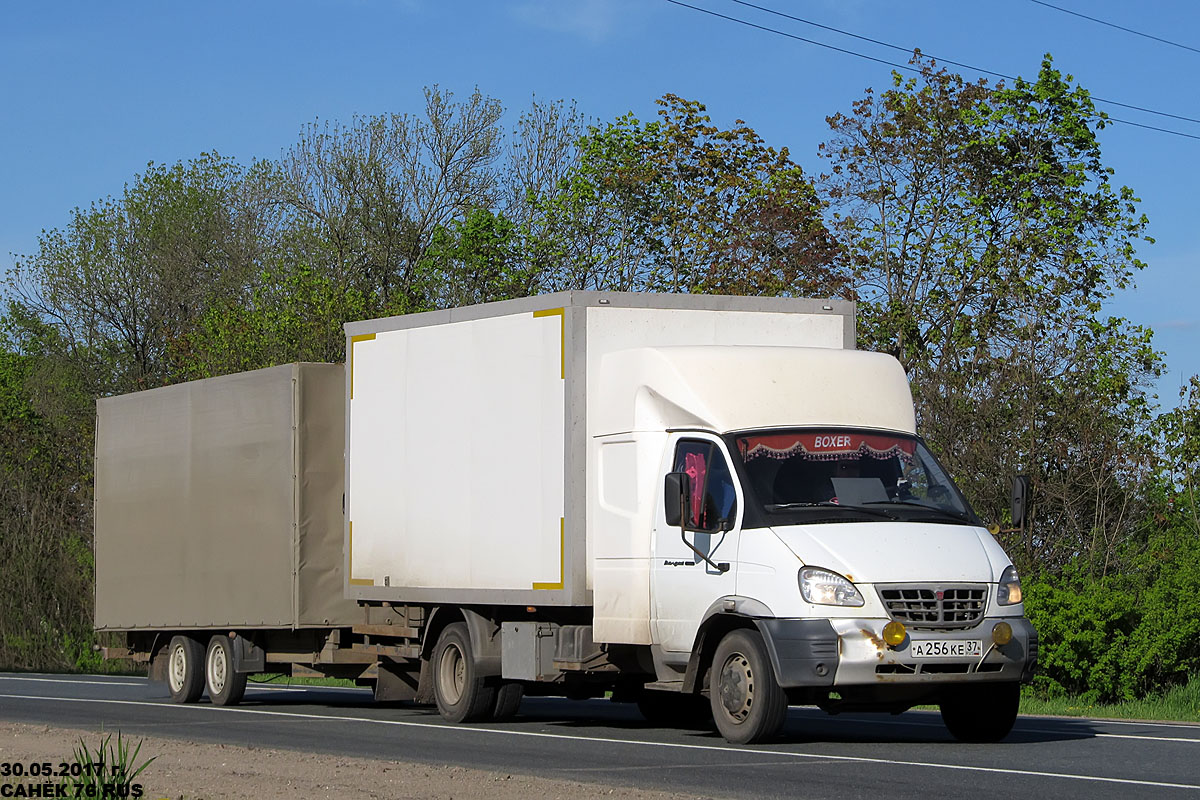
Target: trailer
{"points": [[705, 505]]}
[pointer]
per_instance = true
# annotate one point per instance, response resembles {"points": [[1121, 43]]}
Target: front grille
{"points": [[936, 607]]}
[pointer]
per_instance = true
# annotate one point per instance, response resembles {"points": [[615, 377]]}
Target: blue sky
{"points": [[90, 92]]}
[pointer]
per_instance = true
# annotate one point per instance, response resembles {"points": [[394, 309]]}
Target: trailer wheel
{"points": [[462, 696], [508, 700], [747, 702], [980, 712], [185, 675], [225, 687]]}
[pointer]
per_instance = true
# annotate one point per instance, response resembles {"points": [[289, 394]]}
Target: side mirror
{"points": [[1021, 501], [674, 497]]}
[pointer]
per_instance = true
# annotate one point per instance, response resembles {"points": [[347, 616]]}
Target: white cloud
{"points": [[1178, 324], [594, 20]]}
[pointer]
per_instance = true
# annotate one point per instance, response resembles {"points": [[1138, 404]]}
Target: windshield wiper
{"points": [[922, 506], [875, 512]]}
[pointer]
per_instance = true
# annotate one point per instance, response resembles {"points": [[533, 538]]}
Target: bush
{"points": [[1123, 636]]}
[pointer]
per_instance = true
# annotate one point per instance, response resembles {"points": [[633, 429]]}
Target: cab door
{"points": [[684, 585]]}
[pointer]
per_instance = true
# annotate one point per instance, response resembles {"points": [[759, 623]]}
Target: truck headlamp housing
{"points": [[825, 588], [1008, 593]]}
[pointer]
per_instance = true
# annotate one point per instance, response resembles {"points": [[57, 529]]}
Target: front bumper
{"points": [[851, 652]]}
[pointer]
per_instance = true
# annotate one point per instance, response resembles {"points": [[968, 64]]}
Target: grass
{"points": [[111, 769], [1180, 704]]}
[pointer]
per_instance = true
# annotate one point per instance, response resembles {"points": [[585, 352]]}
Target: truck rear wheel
{"points": [[983, 712], [462, 695], [185, 675], [747, 702], [225, 687], [508, 699]]}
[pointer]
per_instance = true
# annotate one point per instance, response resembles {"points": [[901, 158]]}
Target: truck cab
{"points": [[869, 581], [807, 547]]}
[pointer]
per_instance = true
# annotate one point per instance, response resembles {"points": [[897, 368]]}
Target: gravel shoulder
{"points": [[194, 771]]}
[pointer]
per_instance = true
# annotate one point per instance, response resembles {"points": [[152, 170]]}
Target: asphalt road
{"points": [[849, 756]]}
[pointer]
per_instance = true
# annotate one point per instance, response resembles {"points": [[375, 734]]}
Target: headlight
{"points": [[1009, 591], [824, 588]]}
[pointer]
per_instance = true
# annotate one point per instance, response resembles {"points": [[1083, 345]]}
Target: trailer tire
{"points": [[462, 695], [225, 686], [508, 699], [185, 669], [982, 712], [748, 703]]}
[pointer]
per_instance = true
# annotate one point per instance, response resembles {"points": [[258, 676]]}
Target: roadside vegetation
{"points": [[976, 225], [1177, 704]]}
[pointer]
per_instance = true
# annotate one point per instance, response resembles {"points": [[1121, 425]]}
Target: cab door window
{"points": [[711, 499]]}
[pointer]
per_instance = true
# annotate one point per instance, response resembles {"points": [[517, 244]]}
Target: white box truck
{"points": [[701, 504]]}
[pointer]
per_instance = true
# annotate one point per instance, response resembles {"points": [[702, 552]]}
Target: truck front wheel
{"points": [[462, 696], [983, 712], [225, 687], [747, 702], [185, 675]]}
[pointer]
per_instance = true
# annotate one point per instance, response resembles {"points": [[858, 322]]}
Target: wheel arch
{"points": [[484, 633], [727, 614], [803, 652]]}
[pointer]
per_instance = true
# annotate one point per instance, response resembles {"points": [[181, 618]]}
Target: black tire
{"points": [[675, 709], [982, 712], [748, 704], [225, 687], [508, 699], [185, 669], [462, 696]]}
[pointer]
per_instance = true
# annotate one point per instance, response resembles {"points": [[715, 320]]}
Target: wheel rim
{"points": [[177, 668], [217, 667], [737, 687], [452, 673]]}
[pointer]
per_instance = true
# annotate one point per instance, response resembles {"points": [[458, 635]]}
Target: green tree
{"points": [[363, 202], [129, 274], [986, 234], [678, 204], [296, 315], [477, 260], [1178, 434], [45, 506]]}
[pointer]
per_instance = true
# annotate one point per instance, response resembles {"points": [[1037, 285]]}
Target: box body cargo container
{"points": [[219, 503], [712, 506], [475, 470]]}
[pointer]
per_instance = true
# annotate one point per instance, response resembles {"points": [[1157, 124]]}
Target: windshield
{"points": [[818, 475]]}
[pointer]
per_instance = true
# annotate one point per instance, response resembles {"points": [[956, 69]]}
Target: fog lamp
{"points": [[1002, 633], [894, 633]]}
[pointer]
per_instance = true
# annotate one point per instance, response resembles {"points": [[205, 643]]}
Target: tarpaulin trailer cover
{"points": [[219, 503]]}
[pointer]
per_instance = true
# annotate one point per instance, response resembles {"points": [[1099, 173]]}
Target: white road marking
{"points": [[77, 682], [1090, 735], [300, 688], [741, 751], [1103, 721], [275, 687]]}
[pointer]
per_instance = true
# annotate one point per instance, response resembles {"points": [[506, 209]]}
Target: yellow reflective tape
{"points": [[350, 557], [562, 331], [562, 558], [362, 337]]}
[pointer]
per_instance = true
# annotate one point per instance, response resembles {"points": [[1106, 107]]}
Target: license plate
{"points": [[946, 648]]}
